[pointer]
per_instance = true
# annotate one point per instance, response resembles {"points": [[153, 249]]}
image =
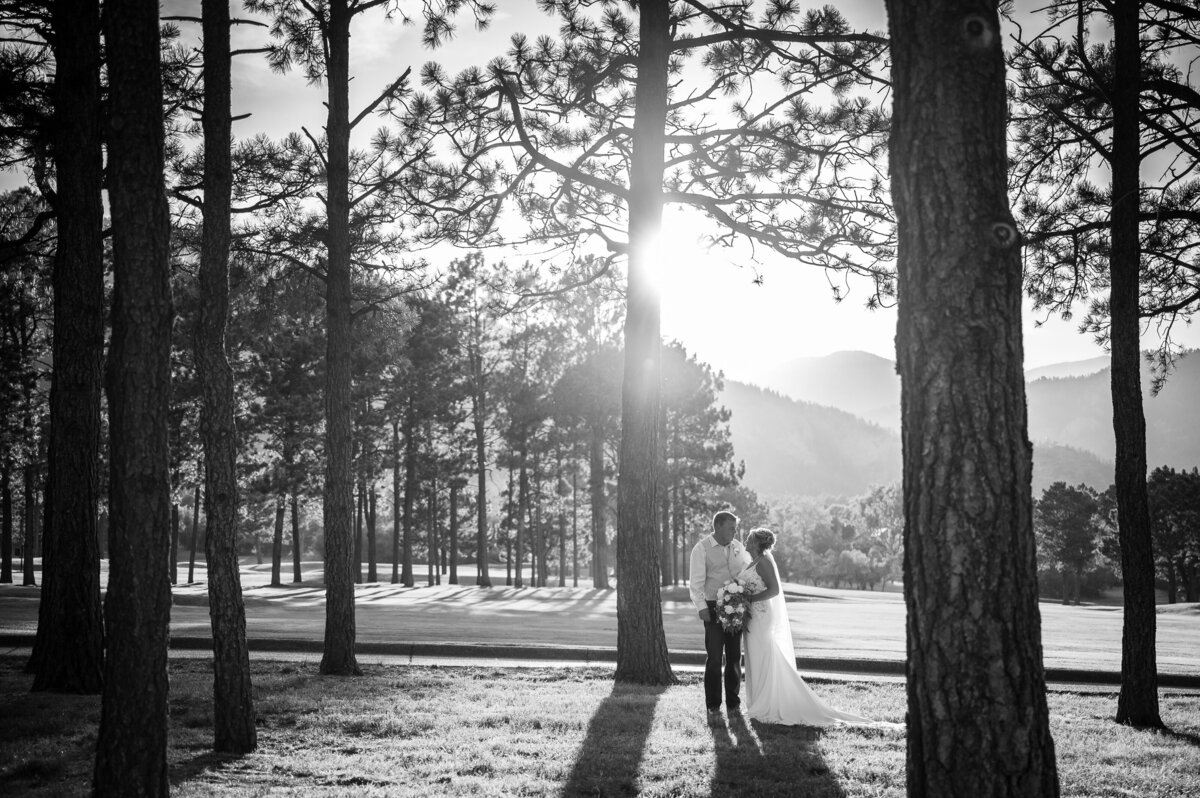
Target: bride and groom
{"points": [[775, 692]]}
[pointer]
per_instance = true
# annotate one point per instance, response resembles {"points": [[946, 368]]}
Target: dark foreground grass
{"points": [[483, 731]]}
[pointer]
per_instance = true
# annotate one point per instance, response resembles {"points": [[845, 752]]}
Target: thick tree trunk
{"points": [[454, 532], [540, 557], [6, 519], [396, 501], [411, 486], [1191, 585], [372, 559], [233, 701], [29, 532], [664, 519], [641, 641], [483, 578], [174, 569], [131, 748], [277, 542], [195, 527], [1137, 703], [360, 510], [562, 548], [339, 481], [537, 575], [431, 555], [68, 653], [297, 548], [676, 536], [575, 525], [599, 506], [522, 515], [977, 717], [508, 541]]}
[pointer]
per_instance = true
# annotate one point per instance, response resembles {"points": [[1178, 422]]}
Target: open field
{"points": [[417, 731], [832, 624]]}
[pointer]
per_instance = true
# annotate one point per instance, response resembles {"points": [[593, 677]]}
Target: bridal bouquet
{"points": [[733, 606]]}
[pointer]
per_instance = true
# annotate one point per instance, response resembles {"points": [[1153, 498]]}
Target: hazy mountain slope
{"points": [[1076, 368], [1077, 411], [1054, 463], [1069, 407], [800, 448], [858, 382]]}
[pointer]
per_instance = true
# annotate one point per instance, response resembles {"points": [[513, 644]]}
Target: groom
{"points": [[716, 559]]}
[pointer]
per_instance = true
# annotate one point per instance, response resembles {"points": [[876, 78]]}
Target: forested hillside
{"points": [[801, 448], [794, 448], [837, 428]]}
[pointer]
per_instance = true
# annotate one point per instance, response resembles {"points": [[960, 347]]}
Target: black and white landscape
{"points": [[831, 425]]}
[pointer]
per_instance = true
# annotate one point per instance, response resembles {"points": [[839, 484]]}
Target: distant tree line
{"points": [[1078, 548], [487, 358]]}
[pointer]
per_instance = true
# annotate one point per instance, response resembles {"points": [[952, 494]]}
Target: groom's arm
{"points": [[696, 576]]}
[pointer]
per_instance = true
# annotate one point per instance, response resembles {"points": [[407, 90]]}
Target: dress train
{"points": [[775, 691]]}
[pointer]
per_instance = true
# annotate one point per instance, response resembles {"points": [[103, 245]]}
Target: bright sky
{"points": [[710, 304], [714, 307]]}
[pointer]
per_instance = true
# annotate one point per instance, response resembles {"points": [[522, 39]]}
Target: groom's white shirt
{"points": [[712, 565]]}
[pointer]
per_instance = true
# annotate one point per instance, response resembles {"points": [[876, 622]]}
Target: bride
{"points": [[775, 693]]}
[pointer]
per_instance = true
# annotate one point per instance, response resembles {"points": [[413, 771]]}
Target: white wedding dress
{"points": [[775, 692]]}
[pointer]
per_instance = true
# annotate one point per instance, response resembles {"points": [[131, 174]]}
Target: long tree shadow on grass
{"points": [[1182, 736], [769, 760], [611, 754], [194, 767]]}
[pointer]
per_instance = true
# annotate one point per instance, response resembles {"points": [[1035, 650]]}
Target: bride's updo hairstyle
{"points": [[764, 537]]}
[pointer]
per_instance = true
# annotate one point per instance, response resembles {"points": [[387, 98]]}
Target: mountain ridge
{"points": [[802, 446]]}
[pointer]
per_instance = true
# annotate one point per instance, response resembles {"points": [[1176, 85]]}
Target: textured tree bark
{"points": [[360, 511], [641, 641], [277, 542], [1137, 703], [599, 506], [68, 653], [29, 531], [195, 527], [297, 549], [174, 570], [6, 519], [131, 748], [395, 501], [522, 514], [478, 412], [372, 564], [575, 525], [977, 717], [233, 699], [454, 488], [664, 519], [411, 486], [339, 480], [562, 548], [540, 555]]}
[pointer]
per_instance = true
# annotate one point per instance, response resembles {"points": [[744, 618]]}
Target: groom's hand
{"points": [[705, 615]]}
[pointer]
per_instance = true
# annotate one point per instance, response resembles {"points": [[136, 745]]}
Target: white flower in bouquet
{"points": [[732, 602]]}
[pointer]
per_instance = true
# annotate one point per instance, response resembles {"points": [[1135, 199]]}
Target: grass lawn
{"points": [[406, 730]]}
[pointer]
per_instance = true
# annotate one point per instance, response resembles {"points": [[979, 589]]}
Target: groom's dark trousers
{"points": [[719, 644]]}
